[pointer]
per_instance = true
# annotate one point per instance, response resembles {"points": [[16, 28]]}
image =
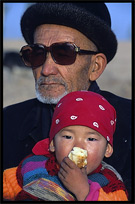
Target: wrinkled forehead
{"points": [[58, 33]]}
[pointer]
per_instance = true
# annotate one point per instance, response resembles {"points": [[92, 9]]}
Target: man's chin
{"points": [[49, 99]]}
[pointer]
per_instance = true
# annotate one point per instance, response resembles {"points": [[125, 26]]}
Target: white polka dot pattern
{"points": [[57, 121], [73, 117]]}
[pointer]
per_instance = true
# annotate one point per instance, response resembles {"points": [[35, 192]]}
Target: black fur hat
{"points": [[91, 19]]}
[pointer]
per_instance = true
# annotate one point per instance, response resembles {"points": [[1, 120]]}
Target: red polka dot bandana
{"points": [[85, 108]]}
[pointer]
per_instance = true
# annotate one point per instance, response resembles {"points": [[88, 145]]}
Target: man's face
{"points": [[52, 80]]}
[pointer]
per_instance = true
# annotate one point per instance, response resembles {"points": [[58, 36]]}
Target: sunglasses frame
{"points": [[77, 50]]}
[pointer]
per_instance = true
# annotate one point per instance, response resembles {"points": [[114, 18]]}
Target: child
{"points": [[81, 119]]}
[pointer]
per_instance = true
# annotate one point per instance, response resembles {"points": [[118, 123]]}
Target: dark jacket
{"points": [[28, 122]]}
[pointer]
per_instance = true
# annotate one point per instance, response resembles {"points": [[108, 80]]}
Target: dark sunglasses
{"points": [[63, 53]]}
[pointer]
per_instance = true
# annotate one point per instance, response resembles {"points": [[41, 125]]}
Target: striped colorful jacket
{"points": [[35, 179]]}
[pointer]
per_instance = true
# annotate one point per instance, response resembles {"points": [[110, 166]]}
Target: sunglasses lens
{"points": [[33, 56], [63, 53]]}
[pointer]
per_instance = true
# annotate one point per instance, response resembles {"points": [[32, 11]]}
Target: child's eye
{"points": [[91, 139], [67, 137]]}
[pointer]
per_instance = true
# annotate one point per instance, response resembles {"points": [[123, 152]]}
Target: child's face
{"points": [[85, 138]]}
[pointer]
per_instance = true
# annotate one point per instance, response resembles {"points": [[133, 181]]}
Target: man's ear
{"points": [[98, 64], [52, 147], [109, 150]]}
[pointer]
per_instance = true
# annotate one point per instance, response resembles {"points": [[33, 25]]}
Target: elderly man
{"points": [[69, 46]]}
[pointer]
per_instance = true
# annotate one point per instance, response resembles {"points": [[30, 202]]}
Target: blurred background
{"points": [[18, 81]]}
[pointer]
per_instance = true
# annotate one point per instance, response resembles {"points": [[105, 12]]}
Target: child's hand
{"points": [[74, 178]]}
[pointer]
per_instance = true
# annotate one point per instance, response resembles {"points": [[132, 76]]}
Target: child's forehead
{"points": [[77, 128]]}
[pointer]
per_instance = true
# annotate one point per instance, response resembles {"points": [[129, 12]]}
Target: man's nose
{"points": [[49, 67]]}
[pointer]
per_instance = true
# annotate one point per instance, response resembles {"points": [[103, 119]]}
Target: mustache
{"points": [[51, 79]]}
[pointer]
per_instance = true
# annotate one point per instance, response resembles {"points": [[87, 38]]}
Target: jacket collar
{"points": [[38, 119], [94, 87]]}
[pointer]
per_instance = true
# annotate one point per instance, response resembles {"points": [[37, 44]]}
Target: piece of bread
{"points": [[78, 156]]}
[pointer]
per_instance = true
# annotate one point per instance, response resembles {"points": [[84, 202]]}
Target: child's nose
{"points": [[80, 145]]}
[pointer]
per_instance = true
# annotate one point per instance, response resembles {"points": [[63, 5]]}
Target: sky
{"points": [[121, 16]]}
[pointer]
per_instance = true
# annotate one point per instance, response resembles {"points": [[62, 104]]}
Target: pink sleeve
{"points": [[94, 191]]}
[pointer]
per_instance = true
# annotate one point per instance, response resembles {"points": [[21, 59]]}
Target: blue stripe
{"points": [[99, 178], [34, 158], [33, 175]]}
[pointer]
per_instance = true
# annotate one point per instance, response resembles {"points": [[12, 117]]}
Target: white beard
{"points": [[49, 100]]}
